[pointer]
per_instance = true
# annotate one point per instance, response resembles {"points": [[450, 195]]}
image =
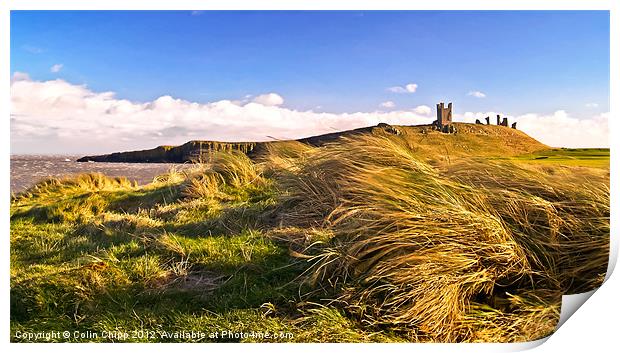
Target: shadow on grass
{"points": [[133, 201], [79, 207]]}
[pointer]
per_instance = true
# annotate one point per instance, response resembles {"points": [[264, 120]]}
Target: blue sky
{"points": [[514, 62], [342, 61]]}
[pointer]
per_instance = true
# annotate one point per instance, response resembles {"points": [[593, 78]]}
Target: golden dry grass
{"points": [[397, 241], [423, 249]]}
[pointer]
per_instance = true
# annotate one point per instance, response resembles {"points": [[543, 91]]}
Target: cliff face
{"points": [[471, 139], [191, 151]]}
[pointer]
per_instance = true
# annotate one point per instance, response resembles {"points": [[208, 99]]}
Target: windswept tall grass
{"points": [[559, 215], [420, 249], [358, 240], [228, 176]]}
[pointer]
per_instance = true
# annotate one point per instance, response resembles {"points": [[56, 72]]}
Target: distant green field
{"points": [[584, 157]]}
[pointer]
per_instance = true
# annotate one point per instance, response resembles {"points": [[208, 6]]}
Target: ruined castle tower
{"points": [[444, 115], [444, 119]]}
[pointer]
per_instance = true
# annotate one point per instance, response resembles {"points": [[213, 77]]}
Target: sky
{"points": [[105, 81]]}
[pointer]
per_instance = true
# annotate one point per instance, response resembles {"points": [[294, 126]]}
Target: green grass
{"points": [[581, 157], [360, 241], [151, 261]]}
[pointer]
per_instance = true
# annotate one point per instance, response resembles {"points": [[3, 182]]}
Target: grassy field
{"points": [[583, 157], [371, 239]]}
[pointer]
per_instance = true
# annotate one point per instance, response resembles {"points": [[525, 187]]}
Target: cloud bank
{"points": [[59, 117], [558, 129]]}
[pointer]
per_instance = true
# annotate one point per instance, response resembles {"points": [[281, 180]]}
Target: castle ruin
{"points": [[503, 122], [444, 124], [444, 119]]}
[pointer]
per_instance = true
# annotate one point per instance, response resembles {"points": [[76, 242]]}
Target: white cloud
{"points": [[411, 88], [591, 105], [423, 110], [60, 117], [408, 88], [56, 68], [559, 129], [269, 99], [476, 94], [388, 104]]}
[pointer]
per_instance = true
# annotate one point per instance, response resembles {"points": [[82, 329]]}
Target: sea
{"points": [[27, 170]]}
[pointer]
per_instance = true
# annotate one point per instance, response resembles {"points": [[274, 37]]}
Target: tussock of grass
{"points": [[562, 222], [417, 248], [286, 157], [394, 248], [228, 176]]}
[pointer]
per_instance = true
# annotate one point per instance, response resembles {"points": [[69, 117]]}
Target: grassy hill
{"points": [[368, 236], [471, 140]]}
